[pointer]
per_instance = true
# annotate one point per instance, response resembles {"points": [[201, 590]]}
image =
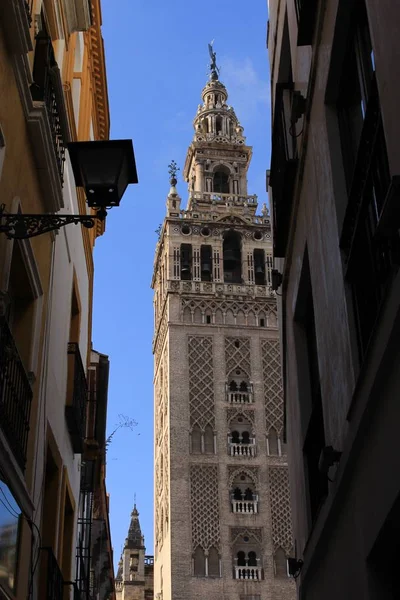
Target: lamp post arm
{"points": [[23, 226]]}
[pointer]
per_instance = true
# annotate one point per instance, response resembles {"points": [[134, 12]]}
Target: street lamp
{"points": [[103, 168]]}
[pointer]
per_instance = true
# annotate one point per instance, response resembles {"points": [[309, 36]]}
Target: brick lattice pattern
{"points": [[273, 397], [280, 509], [201, 381], [204, 506], [237, 358]]}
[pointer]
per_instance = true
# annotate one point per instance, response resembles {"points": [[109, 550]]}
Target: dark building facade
{"points": [[333, 185]]}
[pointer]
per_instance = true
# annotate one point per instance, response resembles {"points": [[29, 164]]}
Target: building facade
{"points": [[134, 580], [53, 90], [333, 181], [222, 516]]}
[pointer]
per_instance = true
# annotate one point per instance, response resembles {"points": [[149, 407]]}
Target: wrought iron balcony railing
{"points": [[52, 581], [77, 393], [15, 395], [47, 88]]}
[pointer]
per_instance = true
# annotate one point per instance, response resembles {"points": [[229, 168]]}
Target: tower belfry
{"points": [[134, 579], [222, 511]]}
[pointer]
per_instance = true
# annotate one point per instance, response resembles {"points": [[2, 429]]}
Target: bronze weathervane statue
{"points": [[214, 70]]}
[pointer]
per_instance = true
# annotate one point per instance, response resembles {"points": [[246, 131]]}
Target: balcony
{"points": [[283, 168], [306, 11], [77, 393], [254, 573], [240, 397], [48, 121], [52, 582], [241, 449], [248, 507], [16, 18], [224, 199], [220, 288], [15, 395]]}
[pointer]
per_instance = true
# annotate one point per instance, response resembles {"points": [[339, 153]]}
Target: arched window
{"points": [[273, 442], [280, 563], [221, 181], [218, 125], [213, 563], [252, 559], [208, 440], [186, 261], [206, 263], [248, 494], [245, 437], [232, 257], [241, 559], [243, 386], [237, 494], [196, 440], [259, 266], [199, 562], [233, 386], [235, 437]]}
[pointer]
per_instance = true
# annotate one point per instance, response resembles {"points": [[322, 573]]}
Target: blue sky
{"points": [[157, 60]]}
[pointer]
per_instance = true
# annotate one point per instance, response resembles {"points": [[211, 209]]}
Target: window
{"points": [[355, 88], [259, 266], [213, 563], [370, 260], [309, 392], [206, 263], [221, 181], [75, 323], [273, 448], [208, 440], [22, 304], [199, 562], [186, 262], [232, 257], [280, 563], [196, 440]]}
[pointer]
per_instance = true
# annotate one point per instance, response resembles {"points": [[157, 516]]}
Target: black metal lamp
{"points": [[103, 168]]}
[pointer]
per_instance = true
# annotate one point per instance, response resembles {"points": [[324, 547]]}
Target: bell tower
{"points": [[134, 579], [222, 510]]}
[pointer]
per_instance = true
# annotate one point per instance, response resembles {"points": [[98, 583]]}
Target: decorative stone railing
{"points": [[220, 288], [249, 507], [240, 449], [254, 573], [219, 198], [240, 397]]}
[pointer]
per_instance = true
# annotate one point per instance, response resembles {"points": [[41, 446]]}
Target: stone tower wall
{"points": [[210, 330]]}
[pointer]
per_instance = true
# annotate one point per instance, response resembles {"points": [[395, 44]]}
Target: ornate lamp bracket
{"points": [[23, 226]]}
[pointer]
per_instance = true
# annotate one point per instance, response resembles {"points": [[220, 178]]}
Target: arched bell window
{"points": [[232, 257], [221, 181]]}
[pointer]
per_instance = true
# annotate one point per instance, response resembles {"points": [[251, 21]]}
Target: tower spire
{"points": [[135, 538]]}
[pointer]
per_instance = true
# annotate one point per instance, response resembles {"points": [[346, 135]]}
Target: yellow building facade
{"points": [[52, 91]]}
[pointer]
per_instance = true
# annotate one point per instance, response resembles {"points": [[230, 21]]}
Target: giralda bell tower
{"points": [[222, 510]]}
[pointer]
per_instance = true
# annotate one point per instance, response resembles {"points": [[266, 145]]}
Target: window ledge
{"points": [[15, 18]]}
